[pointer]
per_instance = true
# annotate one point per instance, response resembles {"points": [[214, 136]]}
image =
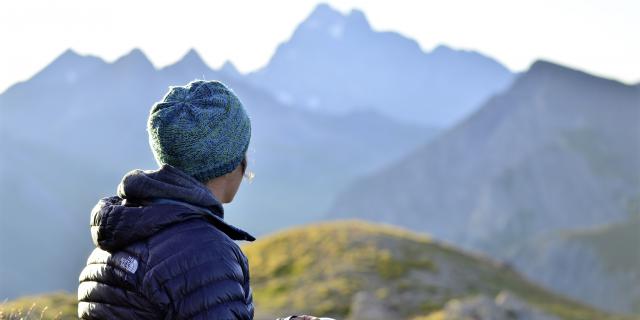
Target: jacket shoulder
{"points": [[109, 285], [195, 269]]}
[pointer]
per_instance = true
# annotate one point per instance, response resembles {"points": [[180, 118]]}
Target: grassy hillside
{"points": [[58, 305], [318, 269]]}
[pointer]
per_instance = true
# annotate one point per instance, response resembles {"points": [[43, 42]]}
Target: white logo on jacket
{"points": [[128, 263]]}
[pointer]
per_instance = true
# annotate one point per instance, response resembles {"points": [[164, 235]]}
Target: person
{"points": [[163, 249]]}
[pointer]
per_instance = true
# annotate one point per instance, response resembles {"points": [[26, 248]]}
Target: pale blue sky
{"points": [[596, 36]]}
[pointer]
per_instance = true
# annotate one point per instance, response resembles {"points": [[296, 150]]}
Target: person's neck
{"points": [[217, 188]]}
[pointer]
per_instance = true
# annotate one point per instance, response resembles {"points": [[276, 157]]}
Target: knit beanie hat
{"points": [[200, 128]]}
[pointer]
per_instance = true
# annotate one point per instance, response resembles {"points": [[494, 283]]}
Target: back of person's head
{"points": [[200, 128]]}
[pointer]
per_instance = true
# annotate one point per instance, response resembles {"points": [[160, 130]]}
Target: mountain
{"points": [[355, 66], [558, 150], [74, 129], [331, 268], [230, 70], [359, 271], [602, 260]]}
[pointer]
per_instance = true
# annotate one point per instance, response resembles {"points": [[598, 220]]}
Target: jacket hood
{"points": [[148, 201]]}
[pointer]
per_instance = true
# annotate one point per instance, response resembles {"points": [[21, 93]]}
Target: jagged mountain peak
{"points": [[230, 69], [68, 67], [193, 56], [325, 18], [362, 64], [323, 12], [357, 18], [191, 59], [442, 48], [546, 66], [547, 74], [71, 57], [69, 54], [135, 58]]}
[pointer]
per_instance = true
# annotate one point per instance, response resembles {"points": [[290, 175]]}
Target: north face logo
{"points": [[128, 263]]}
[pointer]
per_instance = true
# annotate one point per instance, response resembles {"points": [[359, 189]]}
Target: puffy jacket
{"points": [[164, 251]]}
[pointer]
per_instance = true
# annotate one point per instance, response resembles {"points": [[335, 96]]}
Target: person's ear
{"points": [[243, 165]]}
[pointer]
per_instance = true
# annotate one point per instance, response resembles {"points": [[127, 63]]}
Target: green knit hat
{"points": [[201, 128]]}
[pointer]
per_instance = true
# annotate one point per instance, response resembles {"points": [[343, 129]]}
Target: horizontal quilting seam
{"points": [[113, 265], [156, 247], [107, 303], [183, 254], [162, 284], [111, 253], [103, 302], [111, 285], [115, 285], [191, 269], [86, 278], [209, 282], [126, 308], [215, 305]]}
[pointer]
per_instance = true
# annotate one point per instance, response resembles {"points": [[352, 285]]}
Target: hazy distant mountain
{"points": [[560, 149], [336, 63], [73, 130], [600, 265]]}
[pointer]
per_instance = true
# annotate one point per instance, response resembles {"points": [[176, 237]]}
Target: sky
{"points": [[599, 37]]}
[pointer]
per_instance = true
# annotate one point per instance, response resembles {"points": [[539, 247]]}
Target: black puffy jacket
{"points": [[163, 251]]}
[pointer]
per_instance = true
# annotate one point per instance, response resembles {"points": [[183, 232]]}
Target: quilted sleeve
{"points": [[206, 280]]}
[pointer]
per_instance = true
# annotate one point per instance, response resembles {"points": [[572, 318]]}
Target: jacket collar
{"points": [[171, 183], [150, 200], [233, 232]]}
